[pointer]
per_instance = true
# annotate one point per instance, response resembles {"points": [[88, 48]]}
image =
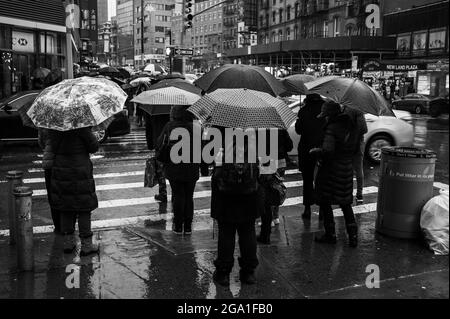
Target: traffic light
{"points": [[188, 10]]}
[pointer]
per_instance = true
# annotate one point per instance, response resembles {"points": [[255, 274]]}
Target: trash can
{"points": [[406, 185]]}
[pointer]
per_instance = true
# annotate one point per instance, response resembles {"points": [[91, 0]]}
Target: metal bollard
{"points": [[25, 253], [14, 179]]}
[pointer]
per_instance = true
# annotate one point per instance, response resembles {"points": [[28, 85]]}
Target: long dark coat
{"points": [[72, 181], [310, 129], [334, 180]]}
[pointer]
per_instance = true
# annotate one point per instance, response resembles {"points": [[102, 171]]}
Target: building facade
{"points": [[124, 32], [102, 12], [32, 35], [152, 21]]}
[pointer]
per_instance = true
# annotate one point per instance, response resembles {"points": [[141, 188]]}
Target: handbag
{"points": [[150, 176], [163, 151], [278, 190]]}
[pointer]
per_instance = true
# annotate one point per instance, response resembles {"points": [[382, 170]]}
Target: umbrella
{"points": [[55, 76], [352, 93], [243, 108], [124, 73], [40, 73], [294, 85], [174, 75], [159, 101], [109, 70], [138, 81], [177, 83], [77, 103], [238, 76]]}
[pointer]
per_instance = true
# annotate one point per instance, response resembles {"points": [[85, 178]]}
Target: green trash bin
{"points": [[406, 185]]}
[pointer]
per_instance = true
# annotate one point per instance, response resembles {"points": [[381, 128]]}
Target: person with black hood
{"points": [[310, 129], [334, 179], [182, 176]]}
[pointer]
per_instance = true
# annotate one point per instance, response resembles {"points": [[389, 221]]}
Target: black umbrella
{"points": [[295, 85], [124, 73], [178, 83], [109, 70], [238, 76]]}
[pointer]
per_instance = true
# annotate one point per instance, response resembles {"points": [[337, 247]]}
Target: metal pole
{"points": [[142, 33], [14, 179], [25, 253]]}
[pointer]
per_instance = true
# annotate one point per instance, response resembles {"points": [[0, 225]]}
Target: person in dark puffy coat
{"points": [[73, 186], [310, 129], [334, 180], [182, 176]]}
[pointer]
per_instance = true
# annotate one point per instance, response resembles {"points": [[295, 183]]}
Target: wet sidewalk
{"points": [[148, 261]]}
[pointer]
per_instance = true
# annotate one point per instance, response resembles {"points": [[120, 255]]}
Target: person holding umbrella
{"points": [[70, 111], [310, 129], [334, 180]]}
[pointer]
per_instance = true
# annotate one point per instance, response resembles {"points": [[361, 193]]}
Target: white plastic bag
{"points": [[434, 223]]}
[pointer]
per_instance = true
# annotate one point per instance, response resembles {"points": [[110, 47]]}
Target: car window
{"points": [[22, 100]]}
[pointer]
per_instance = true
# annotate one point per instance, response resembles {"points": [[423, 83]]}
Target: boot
{"points": [[69, 243], [329, 237], [247, 277], [221, 277], [307, 213], [88, 247], [352, 231]]}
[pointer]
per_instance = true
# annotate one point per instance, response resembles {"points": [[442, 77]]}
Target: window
{"points": [[288, 13]]}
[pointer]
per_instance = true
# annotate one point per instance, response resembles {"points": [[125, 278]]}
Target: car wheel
{"points": [[418, 109], [376, 143], [101, 136]]}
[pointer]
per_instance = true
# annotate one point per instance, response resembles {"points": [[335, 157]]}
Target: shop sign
{"points": [[402, 67], [438, 66], [423, 85], [22, 41], [373, 65]]}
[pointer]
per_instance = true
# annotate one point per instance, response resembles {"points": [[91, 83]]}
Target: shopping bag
{"points": [[150, 176]]}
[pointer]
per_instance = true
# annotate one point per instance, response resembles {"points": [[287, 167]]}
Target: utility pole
{"points": [[142, 33]]}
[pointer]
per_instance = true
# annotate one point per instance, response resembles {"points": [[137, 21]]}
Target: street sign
{"points": [[184, 52]]}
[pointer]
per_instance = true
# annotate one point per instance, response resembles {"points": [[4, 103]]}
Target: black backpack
{"points": [[237, 178]]}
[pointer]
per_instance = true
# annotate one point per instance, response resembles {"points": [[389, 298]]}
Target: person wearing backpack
{"points": [[183, 176], [236, 203]]}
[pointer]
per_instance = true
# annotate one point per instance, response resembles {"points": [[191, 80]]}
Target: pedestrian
{"points": [[154, 126], [183, 176], [310, 129], [47, 164], [73, 186], [235, 205], [359, 130], [270, 214], [334, 179], [139, 112]]}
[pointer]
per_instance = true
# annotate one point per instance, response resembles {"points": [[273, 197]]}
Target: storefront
{"points": [[29, 44]]}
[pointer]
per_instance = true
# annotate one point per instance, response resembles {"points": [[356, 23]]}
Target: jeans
{"points": [[55, 213], [183, 202], [84, 223], [226, 244], [358, 168], [328, 217]]}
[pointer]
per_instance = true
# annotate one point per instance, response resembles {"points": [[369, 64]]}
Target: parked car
{"points": [[12, 128], [415, 103], [439, 106], [383, 131]]}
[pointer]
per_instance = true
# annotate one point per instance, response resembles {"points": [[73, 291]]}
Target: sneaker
{"points": [[221, 278], [276, 221], [177, 229], [187, 229], [326, 239], [247, 277], [161, 198], [359, 200]]}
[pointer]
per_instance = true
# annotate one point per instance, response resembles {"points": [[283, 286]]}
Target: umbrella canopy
{"points": [[55, 76], [124, 73], [294, 85], [41, 73], [77, 103], [238, 76], [243, 108], [351, 92], [177, 83], [159, 101], [109, 70], [136, 82]]}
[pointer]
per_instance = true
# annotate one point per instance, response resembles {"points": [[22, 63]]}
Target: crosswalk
{"points": [[123, 200]]}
